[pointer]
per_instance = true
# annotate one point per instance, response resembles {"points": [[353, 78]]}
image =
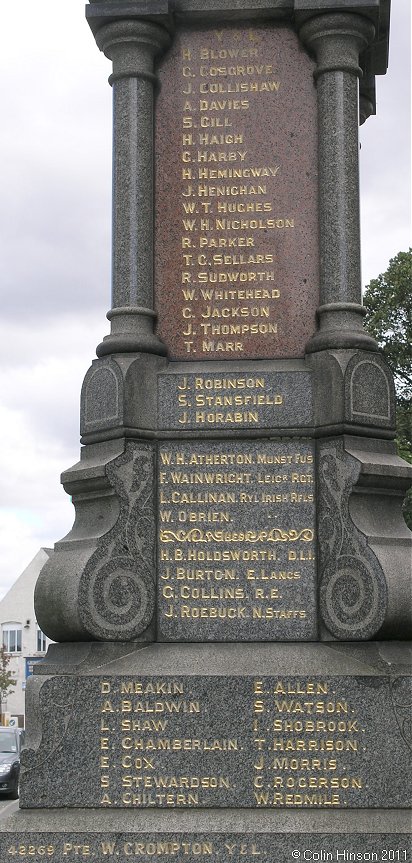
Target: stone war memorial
{"points": [[231, 679]]}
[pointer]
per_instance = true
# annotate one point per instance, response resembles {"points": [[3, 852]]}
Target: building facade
{"points": [[23, 640]]}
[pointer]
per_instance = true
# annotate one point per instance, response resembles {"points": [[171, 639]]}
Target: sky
{"points": [[55, 211]]}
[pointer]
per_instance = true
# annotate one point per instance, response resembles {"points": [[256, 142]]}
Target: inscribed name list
{"points": [[231, 400], [175, 741], [236, 248], [236, 544]]}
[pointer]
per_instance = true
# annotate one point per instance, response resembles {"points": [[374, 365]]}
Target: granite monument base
{"points": [[230, 835], [225, 751]]}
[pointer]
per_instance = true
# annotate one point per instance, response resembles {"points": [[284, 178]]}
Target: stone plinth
{"points": [[220, 726], [225, 751]]}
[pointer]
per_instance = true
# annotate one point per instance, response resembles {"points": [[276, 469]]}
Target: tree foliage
{"points": [[7, 684], [388, 303]]}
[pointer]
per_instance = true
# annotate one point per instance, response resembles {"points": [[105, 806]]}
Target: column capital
{"points": [[132, 35], [102, 12], [337, 40], [132, 44]]}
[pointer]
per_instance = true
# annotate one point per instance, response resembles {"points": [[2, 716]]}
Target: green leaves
{"points": [[388, 301], [6, 678]]}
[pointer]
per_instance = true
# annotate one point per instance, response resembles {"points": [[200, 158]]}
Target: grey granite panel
{"points": [[172, 741], [353, 388], [236, 555], [102, 396], [233, 400], [369, 391], [217, 848]]}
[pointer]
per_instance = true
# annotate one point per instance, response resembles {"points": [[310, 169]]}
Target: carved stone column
{"points": [[132, 44], [100, 582], [337, 40]]}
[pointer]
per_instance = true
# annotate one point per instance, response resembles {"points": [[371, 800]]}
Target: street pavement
{"points": [[7, 807]]}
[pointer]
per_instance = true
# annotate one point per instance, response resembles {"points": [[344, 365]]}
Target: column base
{"points": [[340, 327], [132, 332], [130, 344]]}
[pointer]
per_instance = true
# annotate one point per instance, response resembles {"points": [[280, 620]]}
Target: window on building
{"points": [[41, 641], [12, 637]]}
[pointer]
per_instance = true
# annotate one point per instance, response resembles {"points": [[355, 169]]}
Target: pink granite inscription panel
{"points": [[236, 240]]}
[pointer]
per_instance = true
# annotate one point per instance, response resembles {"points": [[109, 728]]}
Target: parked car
{"points": [[11, 743]]}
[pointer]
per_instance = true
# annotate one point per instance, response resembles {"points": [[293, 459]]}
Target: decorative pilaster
{"points": [[132, 44], [337, 40]]}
